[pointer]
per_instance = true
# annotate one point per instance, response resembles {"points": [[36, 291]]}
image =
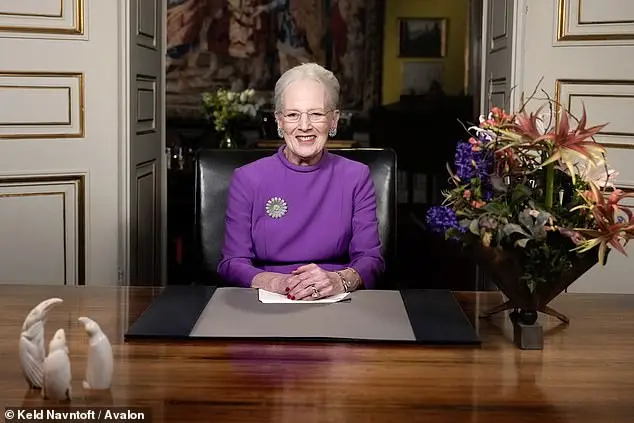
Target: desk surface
{"points": [[584, 374]]}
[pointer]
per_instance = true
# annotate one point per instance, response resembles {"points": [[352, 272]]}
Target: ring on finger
{"points": [[315, 293]]}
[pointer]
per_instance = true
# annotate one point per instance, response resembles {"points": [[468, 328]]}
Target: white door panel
{"points": [[58, 142]]}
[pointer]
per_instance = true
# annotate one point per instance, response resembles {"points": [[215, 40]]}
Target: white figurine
{"points": [[100, 360], [57, 371], [32, 352]]}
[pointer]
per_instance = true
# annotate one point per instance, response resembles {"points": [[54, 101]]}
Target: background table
{"points": [[584, 374]]}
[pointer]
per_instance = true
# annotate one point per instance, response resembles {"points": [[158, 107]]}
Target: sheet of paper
{"points": [[273, 298]]}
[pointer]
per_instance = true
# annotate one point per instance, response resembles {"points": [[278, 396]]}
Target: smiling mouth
{"points": [[306, 138]]}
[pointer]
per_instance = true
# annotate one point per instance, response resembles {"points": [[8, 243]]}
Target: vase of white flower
{"points": [[224, 108]]}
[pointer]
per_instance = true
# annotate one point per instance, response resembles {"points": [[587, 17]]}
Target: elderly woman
{"points": [[303, 222]]}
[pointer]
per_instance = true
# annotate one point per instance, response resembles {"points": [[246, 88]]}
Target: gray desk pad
{"points": [[416, 316], [368, 315]]}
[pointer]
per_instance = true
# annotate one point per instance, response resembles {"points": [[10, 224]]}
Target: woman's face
{"points": [[305, 120]]}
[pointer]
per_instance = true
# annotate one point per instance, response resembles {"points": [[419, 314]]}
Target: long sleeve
{"points": [[236, 265], [365, 245]]}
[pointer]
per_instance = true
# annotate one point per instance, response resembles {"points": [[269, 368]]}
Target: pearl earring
{"points": [[280, 132], [332, 132]]}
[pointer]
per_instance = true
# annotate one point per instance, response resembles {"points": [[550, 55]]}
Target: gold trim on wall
{"points": [[78, 28], [604, 82], [79, 181], [38, 15], [591, 95], [580, 22], [562, 26], [41, 87], [81, 105]]}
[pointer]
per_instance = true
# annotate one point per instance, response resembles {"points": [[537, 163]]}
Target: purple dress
{"points": [[329, 219]]}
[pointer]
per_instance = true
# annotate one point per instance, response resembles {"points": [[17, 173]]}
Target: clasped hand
{"points": [[311, 282]]}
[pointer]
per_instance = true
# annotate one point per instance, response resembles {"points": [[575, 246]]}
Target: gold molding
{"points": [[79, 181], [562, 27], [81, 104], [78, 28], [589, 95], [38, 15], [42, 87], [600, 82], [580, 22]]}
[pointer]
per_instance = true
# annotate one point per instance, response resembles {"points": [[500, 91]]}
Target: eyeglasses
{"points": [[293, 116]]}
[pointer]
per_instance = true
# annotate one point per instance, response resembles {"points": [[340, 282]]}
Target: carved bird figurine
{"points": [[100, 358], [57, 370], [31, 349]]}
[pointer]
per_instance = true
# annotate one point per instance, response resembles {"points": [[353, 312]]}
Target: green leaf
{"points": [[496, 208], [474, 227], [465, 223], [452, 232], [513, 228], [522, 242], [526, 219], [520, 192]]}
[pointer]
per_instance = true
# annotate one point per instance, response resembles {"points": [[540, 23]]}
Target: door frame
{"points": [[124, 123]]}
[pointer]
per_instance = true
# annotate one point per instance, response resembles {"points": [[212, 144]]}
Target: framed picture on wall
{"points": [[422, 38]]}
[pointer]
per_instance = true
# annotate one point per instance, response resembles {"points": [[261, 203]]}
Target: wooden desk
{"points": [[584, 374]]}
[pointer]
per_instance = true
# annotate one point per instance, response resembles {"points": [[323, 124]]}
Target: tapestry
{"points": [[239, 44]]}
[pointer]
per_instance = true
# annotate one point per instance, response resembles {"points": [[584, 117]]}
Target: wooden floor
{"points": [[584, 374]]}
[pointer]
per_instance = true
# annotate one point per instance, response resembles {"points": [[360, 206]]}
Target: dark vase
{"points": [[505, 269], [227, 140]]}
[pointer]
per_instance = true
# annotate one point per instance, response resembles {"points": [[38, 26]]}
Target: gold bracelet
{"points": [[344, 282], [358, 281]]}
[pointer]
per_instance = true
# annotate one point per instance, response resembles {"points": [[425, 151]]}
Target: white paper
{"points": [[273, 298]]}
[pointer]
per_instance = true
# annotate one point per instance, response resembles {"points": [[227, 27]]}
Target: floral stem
{"points": [[550, 185]]}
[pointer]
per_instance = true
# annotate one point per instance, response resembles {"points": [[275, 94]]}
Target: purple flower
{"points": [[442, 218], [470, 163]]}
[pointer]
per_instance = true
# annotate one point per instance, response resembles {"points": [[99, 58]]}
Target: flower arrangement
{"points": [[538, 187], [224, 106]]}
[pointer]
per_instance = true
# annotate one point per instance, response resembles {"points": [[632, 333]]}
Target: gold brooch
{"points": [[276, 207]]}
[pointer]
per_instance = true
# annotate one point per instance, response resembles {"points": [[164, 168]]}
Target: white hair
{"points": [[311, 72]]}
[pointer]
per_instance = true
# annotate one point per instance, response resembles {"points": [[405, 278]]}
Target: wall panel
{"points": [[607, 21], [605, 101], [42, 17], [42, 105], [42, 230]]}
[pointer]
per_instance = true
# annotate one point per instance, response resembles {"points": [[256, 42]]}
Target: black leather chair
{"points": [[214, 169]]}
